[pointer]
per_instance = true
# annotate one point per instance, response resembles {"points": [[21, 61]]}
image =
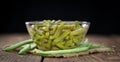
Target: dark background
{"points": [[103, 15]]}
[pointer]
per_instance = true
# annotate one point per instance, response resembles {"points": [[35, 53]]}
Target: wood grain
{"points": [[112, 41], [9, 39]]}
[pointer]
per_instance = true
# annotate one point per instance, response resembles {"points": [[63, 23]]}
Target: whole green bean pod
{"points": [[75, 50], [33, 46], [25, 49], [17, 45]]}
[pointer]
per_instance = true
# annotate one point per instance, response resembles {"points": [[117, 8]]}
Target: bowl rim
{"points": [[81, 22]]}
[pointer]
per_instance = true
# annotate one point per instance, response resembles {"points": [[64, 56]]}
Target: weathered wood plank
{"points": [[14, 57], [9, 39], [109, 41]]}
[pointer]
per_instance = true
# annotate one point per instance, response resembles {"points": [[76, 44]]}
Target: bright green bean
{"points": [[75, 50], [17, 45], [33, 46], [25, 49]]}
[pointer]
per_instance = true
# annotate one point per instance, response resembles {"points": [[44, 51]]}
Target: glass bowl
{"points": [[57, 35]]}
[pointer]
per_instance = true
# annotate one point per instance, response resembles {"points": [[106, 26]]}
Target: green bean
{"points": [[54, 28], [46, 45], [58, 22], [60, 45], [52, 21], [77, 24], [17, 45], [25, 49], [78, 31], [69, 44], [70, 27], [55, 48], [47, 34], [33, 46], [63, 35], [58, 30], [76, 40], [75, 50]]}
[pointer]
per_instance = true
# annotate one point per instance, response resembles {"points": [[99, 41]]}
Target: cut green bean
{"points": [[54, 28], [63, 35], [78, 31], [17, 45], [57, 31]]}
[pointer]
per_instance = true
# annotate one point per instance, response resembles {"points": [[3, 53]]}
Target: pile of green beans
{"points": [[57, 34]]}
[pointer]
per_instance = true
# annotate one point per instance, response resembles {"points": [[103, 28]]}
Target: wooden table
{"points": [[112, 41]]}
